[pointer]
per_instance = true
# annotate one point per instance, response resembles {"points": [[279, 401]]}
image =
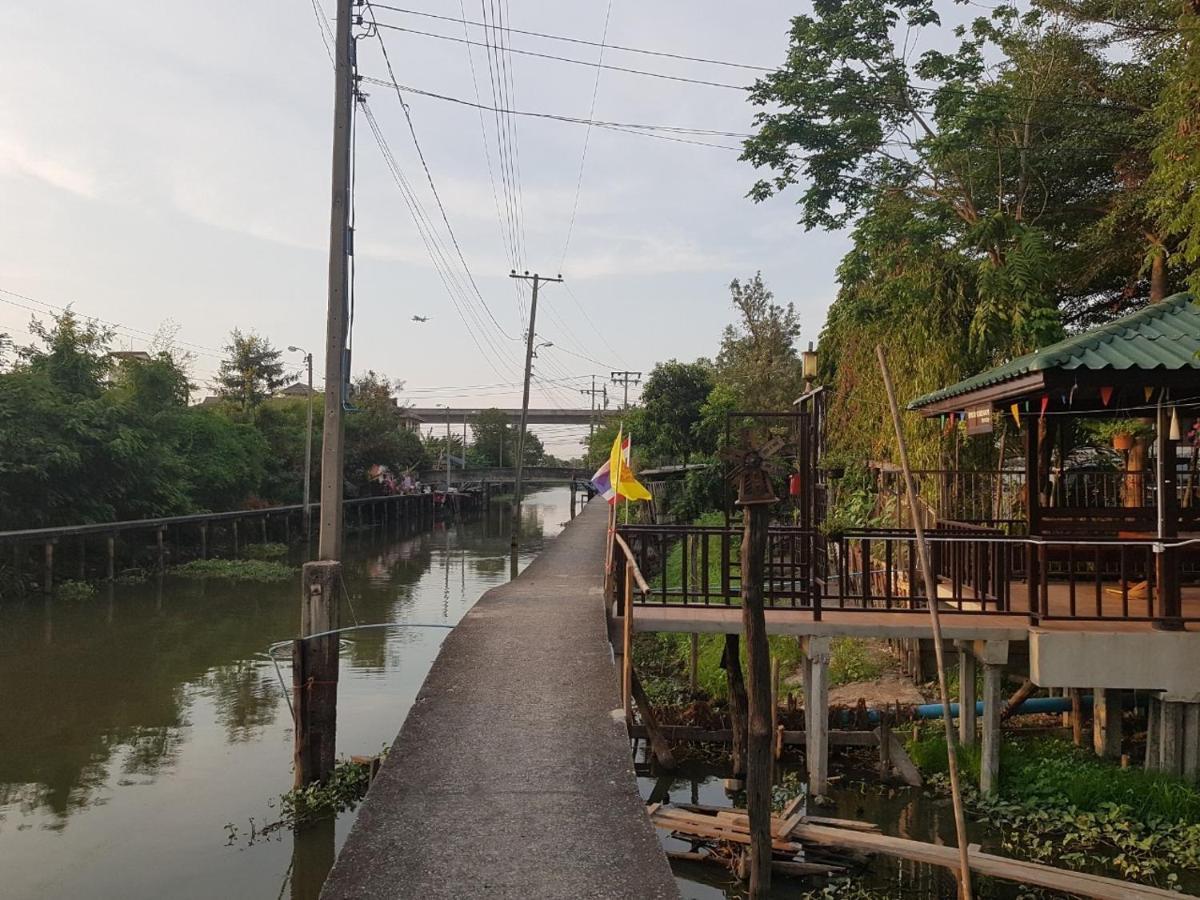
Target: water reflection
{"points": [[138, 722]]}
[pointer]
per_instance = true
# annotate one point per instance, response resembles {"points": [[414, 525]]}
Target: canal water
{"points": [[144, 737]]}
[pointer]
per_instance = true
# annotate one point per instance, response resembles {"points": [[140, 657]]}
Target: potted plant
{"points": [[1121, 433]]}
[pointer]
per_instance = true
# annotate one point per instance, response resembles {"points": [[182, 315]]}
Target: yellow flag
{"points": [[1016, 414], [623, 481]]}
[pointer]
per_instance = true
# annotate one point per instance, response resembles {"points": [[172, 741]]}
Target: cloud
{"points": [[55, 171]]}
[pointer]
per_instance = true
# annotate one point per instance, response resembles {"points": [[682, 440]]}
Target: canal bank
{"points": [[142, 721], [512, 776]]}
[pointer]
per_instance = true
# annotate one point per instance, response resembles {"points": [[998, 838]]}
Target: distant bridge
{"points": [[497, 475], [433, 415]]}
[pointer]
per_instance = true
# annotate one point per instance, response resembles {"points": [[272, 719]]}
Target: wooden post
{"points": [[884, 733], [731, 662], [658, 743], [1106, 722], [82, 558], [235, 538], [774, 700], [204, 540], [315, 673], [966, 696], [960, 823], [1076, 717], [161, 550], [48, 574], [694, 663], [112, 557], [627, 647], [758, 668]]}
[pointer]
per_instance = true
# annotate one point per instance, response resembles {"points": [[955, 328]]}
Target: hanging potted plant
{"points": [[1122, 433]]}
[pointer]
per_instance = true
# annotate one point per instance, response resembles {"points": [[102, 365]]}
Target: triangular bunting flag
{"points": [[1106, 395], [1016, 414], [1045, 403], [1149, 393]]}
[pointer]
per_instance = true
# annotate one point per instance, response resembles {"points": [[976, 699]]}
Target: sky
{"points": [[169, 164]]}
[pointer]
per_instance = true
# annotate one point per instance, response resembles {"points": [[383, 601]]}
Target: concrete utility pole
{"points": [[592, 393], [515, 524], [626, 378], [308, 359], [315, 659]]}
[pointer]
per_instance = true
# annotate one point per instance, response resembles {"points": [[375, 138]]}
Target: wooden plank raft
{"points": [[793, 832], [1081, 884]]}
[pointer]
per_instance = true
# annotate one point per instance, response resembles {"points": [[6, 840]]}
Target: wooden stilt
{"points": [[48, 572], [658, 744]]}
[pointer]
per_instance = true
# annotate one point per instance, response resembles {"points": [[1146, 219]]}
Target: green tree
{"points": [[252, 371], [375, 434], [492, 439], [1027, 138], [672, 400], [758, 362]]}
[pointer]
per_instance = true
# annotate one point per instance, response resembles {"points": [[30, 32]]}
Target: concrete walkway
{"points": [[512, 775]]}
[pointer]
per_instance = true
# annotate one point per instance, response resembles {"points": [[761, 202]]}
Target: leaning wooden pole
{"points": [[960, 822], [759, 762]]}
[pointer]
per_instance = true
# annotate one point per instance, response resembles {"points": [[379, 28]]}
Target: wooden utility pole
{"points": [[315, 659], [515, 524], [755, 497], [931, 595]]}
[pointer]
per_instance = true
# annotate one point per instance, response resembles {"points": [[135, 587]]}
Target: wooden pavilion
{"points": [[1144, 366]]}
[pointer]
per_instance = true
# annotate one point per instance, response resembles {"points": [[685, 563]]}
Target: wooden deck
{"points": [[967, 625]]}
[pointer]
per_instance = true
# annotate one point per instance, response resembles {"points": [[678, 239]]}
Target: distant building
{"points": [[296, 390], [134, 355]]}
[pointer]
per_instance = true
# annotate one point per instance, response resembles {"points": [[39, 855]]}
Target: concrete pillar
{"points": [[1190, 750], [1171, 737], [989, 756], [966, 696], [1106, 722], [994, 656], [816, 713]]}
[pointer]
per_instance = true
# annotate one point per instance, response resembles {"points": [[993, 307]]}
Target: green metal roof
{"points": [[1164, 335]]}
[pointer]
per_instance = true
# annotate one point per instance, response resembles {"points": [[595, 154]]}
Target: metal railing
{"points": [[980, 570], [700, 565]]}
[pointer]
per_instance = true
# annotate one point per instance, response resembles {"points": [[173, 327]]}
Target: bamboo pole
{"points": [[960, 823], [627, 646]]}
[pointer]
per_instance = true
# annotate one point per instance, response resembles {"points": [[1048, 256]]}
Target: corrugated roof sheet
{"points": [[1164, 335]]}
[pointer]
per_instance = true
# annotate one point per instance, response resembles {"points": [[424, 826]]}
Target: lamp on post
{"points": [[447, 409], [308, 360], [808, 362]]}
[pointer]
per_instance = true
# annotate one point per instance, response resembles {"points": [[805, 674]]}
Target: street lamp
{"points": [[447, 409], [808, 362], [308, 360], [540, 346]]}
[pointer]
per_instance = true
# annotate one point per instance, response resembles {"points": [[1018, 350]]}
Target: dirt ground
{"points": [[890, 686]]}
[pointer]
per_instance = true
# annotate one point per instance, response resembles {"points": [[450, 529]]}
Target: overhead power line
{"points": [[662, 132], [570, 40], [577, 62], [436, 196]]}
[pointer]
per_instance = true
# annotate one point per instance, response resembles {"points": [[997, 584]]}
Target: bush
{"points": [[74, 590], [853, 659], [236, 569]]}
